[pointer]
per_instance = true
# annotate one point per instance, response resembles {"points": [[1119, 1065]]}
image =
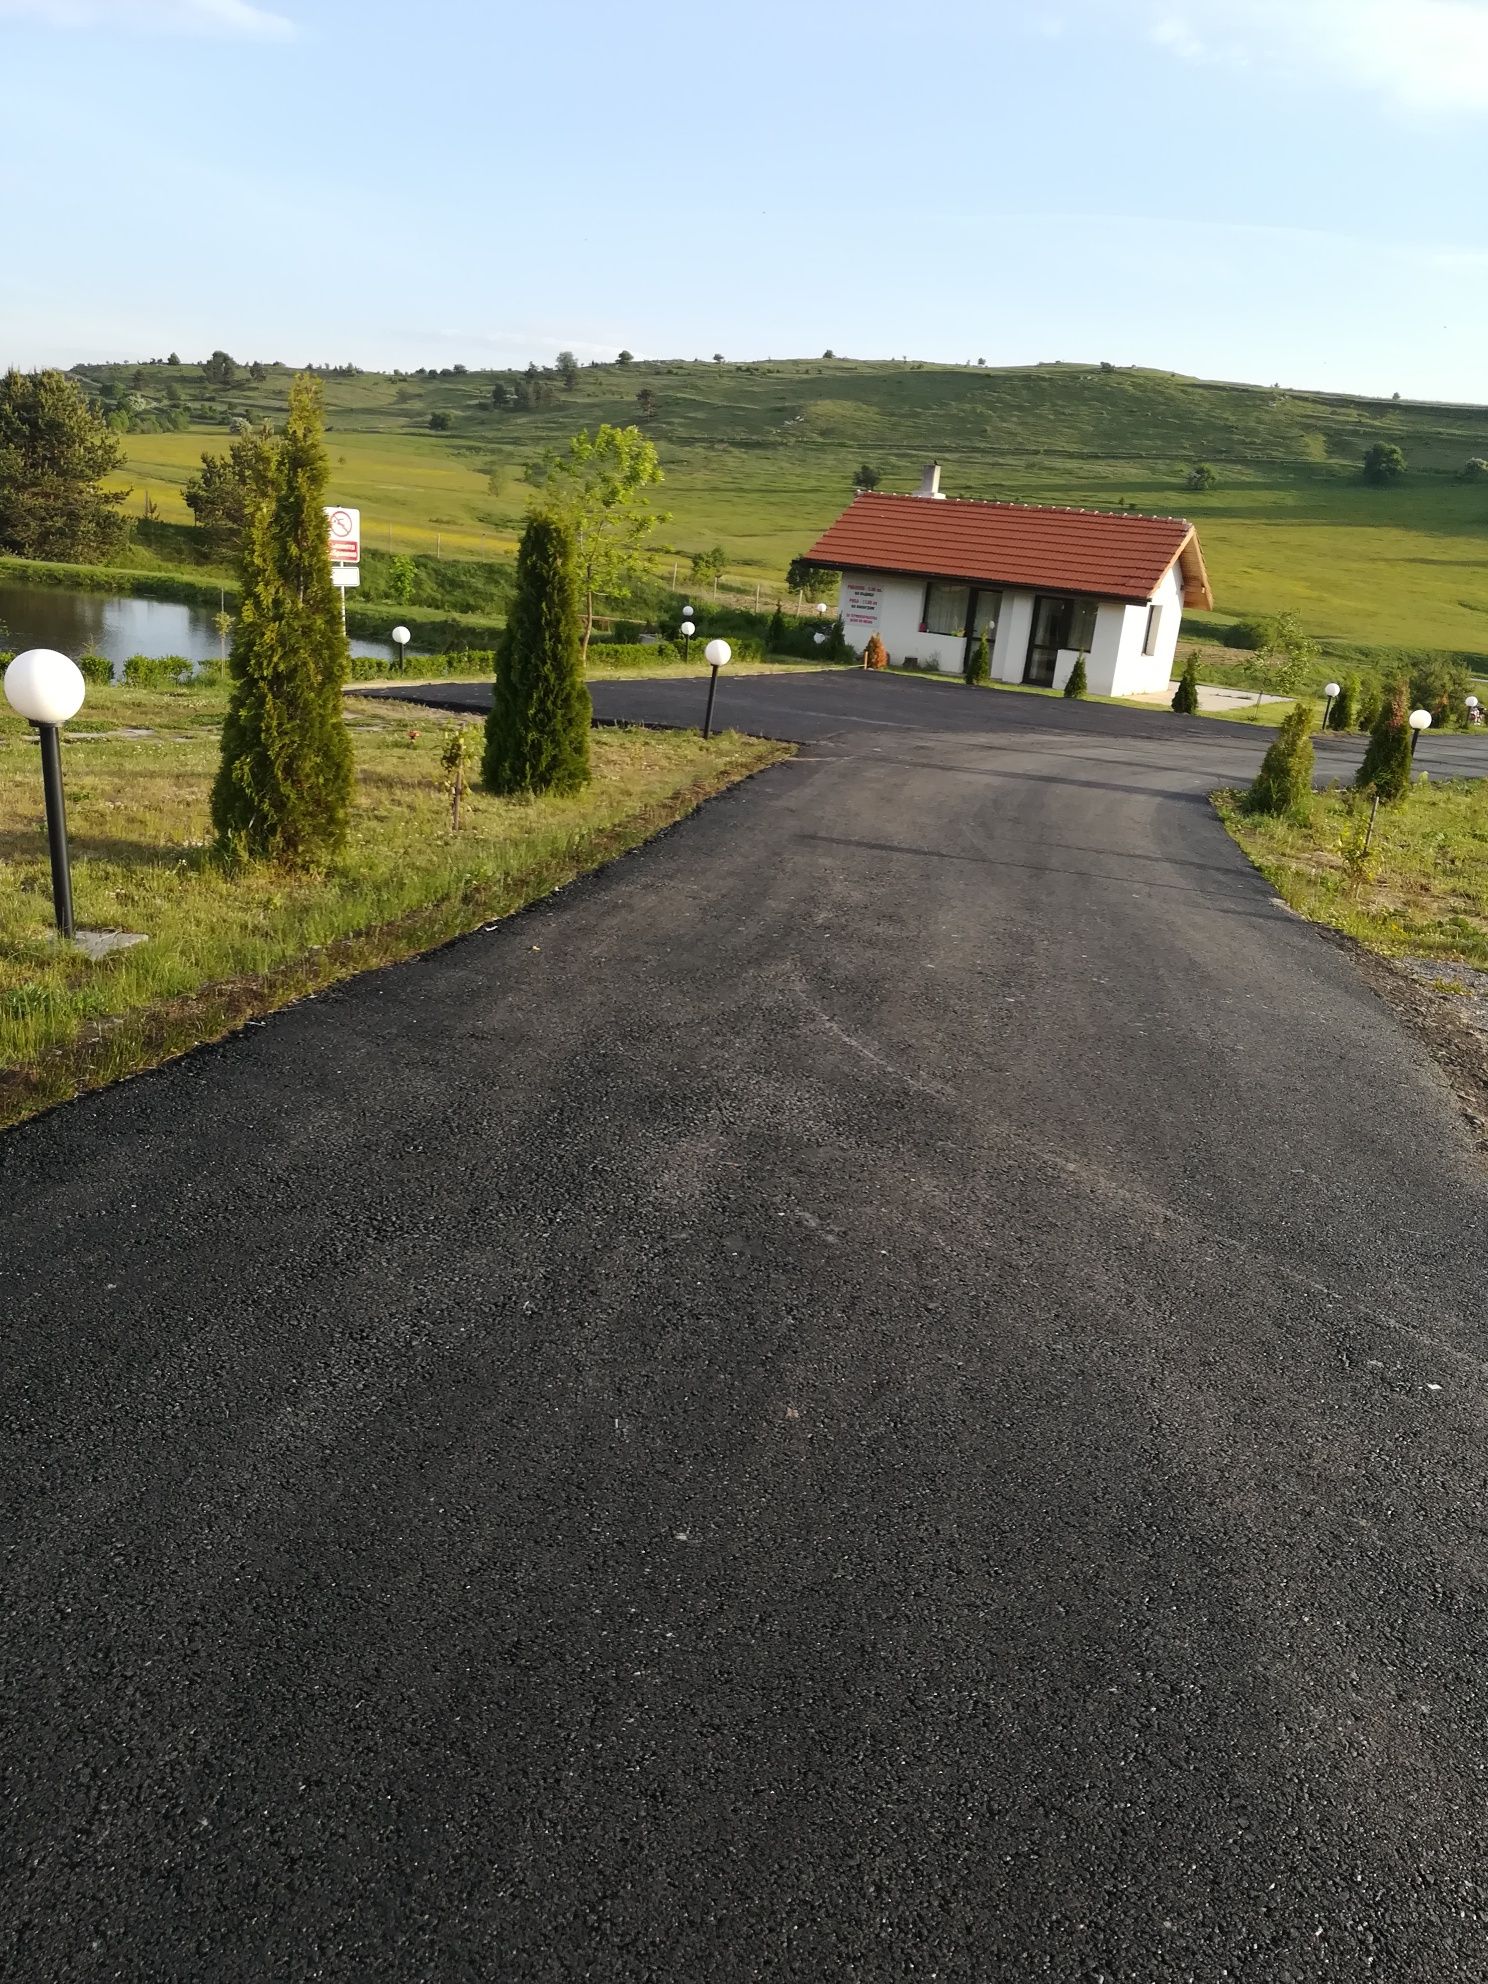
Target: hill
{"points": [[759, 457]]}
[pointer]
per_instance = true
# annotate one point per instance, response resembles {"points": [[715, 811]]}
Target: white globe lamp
{"points": [[717, 654], [402, 637], [1420, 720], [47, 688], [1330, 690]]}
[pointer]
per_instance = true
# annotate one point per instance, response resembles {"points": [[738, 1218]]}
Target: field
{"points": [[759, 457], [225, 946]]}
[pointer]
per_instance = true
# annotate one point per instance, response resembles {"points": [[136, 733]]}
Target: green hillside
{"points": [[759, 456]]}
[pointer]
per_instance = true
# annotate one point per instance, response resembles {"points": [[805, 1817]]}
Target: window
{"points": [[1082, 625], [945, 609], [1154, 629]]}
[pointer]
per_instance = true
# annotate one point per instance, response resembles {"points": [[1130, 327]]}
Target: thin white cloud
{"points": [[211, 17], [1424, 55]]}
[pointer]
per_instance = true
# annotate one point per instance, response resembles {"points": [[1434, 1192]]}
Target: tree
{"points": [[1387, 761], [227, 489], [646, 401], [625, 358], [978, 666], [829, 353], [257, 372], [220, 369], [718, 358], [537, 734], [174, 359], [501, 393], [1186, 696], [707, 566], [775, 633], [596, 488], [1078, 683], [1291, 652], [875, 655], [568, 370], [807, 580], [1283, 785], [866, 477], [440, 423], [1383, 463], [55, 450], [1345, 711], [402, 583], [1475, 469], [1202, 477], [283, 788], [836, 642]]}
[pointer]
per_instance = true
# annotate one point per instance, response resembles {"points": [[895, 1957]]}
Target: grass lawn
{"points": [[225, 946], [1423, 891]]}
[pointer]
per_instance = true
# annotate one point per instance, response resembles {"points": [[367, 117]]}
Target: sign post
{"points": [[345, 530]]}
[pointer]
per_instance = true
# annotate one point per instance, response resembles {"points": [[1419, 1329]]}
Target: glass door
{"points": [[1052, 622], [985, 607]]}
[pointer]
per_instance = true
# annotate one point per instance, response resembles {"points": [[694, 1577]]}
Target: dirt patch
{"points": [[1446, 1006]]}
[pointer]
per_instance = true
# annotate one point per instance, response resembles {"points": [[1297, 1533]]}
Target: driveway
{"points": [[892, 1386]]}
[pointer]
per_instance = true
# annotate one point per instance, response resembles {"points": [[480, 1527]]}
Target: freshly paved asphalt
{"points": [[892, 1387]]}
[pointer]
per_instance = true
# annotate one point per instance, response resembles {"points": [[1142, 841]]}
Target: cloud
{"points": [[212, 17], [1424, 55]]}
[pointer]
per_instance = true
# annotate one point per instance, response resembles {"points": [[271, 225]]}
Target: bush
{"points": [[1371, 702], [152, 671], [96, 667], [1387, 762], [1283, 785], [1383, 463], [641, 655], [1249, 634], [1186, 696], [978, 663], [1078, 685], [875, 655], [1345, 711], [1202, 477], [775, 633]]}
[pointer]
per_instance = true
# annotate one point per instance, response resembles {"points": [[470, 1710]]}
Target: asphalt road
{"points": [[892, 1387]]}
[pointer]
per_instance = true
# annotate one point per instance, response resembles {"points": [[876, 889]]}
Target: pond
{"points": [[105, 623]]}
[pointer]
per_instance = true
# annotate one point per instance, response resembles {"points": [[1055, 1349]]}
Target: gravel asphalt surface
{"points": [[891, 1387]]}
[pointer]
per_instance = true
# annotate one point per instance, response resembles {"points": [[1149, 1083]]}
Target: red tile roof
{"points": [[1112, 554]]}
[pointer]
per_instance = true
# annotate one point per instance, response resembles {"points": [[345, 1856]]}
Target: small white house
{"points": [[930, 575]]}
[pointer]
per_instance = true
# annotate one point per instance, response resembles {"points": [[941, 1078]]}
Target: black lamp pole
{"points": [[56, 815], [712, 692]]}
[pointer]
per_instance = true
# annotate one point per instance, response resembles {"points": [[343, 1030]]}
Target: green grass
{"points": [[1423, 892], [758, 458], [224, 945]]}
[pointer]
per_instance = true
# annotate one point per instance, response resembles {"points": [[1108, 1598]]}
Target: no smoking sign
{"points": [[346, 535]]}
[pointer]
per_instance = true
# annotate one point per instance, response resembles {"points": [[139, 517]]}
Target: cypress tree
{"points": [[775, 633], [1186, 696], [1284, 782], [978, 663], [283, 788], [537, 735], [1345, 711], [1387, 761], [1077, 685]]}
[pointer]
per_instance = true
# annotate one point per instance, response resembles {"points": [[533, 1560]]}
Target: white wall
{"points": [[890, 606], [1138, 674]]}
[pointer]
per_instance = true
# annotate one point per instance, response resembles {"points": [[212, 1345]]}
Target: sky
{"points": [[1267, 190]]}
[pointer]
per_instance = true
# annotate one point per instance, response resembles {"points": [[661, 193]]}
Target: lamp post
{"points": [[1330, 690], [717, 654], [1420, 720], [1472, 708], [687, 630], [402, 637], [46, 688]]}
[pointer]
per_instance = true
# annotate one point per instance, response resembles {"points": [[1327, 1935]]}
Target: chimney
{"points": [[930, 483]]}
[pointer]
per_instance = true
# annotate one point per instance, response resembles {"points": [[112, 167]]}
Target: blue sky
{"points": [[1269, 190]]}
